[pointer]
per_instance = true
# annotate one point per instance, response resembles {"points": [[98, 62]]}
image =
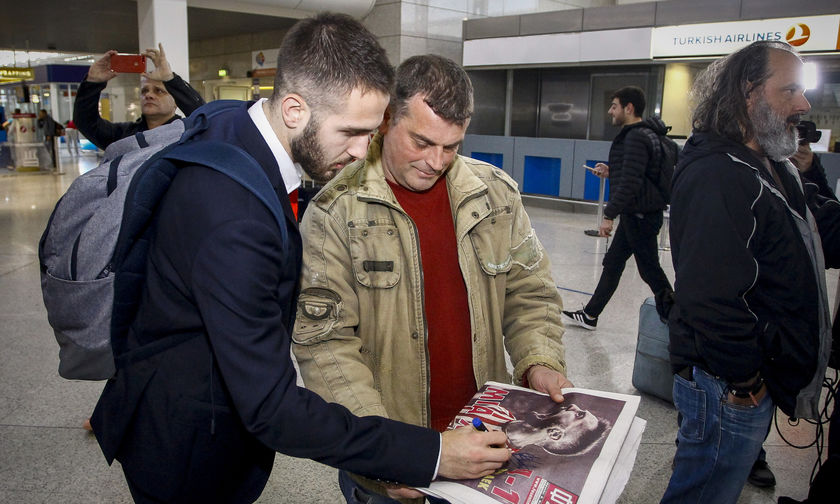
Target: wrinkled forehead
{"points": [[146, 83]]}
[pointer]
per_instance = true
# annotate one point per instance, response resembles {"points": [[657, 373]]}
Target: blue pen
{"points": [[479, 425]]}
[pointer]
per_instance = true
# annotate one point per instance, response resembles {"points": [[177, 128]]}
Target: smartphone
{"points": [[128, 63]]}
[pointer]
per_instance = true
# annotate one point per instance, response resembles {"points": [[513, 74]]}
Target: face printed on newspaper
{"points": [[556, 448]]}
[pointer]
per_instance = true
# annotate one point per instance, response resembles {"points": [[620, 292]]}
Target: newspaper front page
{"points": [[562, 453]]}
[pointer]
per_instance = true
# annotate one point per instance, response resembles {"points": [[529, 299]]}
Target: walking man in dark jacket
{"points": [[750, 327], [635, 196], [49, 128]]}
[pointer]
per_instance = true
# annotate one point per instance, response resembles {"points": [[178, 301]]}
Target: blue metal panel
{"points": [[476, 146], [542, 175], [584, 183], [592, 185], [550, 148], [494, 158]]}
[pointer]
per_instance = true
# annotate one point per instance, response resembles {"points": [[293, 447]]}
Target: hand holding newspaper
{"points": [[579, 451]]}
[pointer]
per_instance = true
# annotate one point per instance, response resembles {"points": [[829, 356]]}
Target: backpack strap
{"points": [[238, 165], [656, 146], [199, 120], [147, 188], [654, 141]]}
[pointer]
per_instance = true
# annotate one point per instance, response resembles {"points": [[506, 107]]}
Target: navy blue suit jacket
{"points": [[200, 422]]}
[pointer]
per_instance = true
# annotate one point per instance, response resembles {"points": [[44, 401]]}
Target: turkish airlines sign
{"points": [[807, 34]]}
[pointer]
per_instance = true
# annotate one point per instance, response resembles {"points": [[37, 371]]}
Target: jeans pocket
{"points": [[691, 403], [748, 421]]}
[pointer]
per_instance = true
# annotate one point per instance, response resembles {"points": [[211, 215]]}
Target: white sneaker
{"points": [[581, 319]]}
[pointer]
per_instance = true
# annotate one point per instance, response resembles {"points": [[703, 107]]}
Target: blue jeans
{"points": [[718, 441], [357, 494]]}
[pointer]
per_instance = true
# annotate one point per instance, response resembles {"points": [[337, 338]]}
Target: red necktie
{"points": [[293, 200]]}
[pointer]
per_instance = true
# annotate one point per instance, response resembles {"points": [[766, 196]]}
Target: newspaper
{"points": [[565, 453]]}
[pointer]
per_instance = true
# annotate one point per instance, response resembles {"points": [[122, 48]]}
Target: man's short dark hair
{"points": [[325, 57], [631, 94], [720, 92], [444, 85]]}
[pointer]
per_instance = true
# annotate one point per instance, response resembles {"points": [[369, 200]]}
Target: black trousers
{"points": [[636, 236]]}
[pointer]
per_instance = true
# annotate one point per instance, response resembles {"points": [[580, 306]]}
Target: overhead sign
{"points": [[264, 72], [8, 74], [266, 58], [807, 34], [559, 48]]}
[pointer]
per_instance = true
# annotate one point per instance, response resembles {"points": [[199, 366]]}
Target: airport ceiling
{"points": [[94, 26]]}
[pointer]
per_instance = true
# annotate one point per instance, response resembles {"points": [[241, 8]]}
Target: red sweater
{"points": [[451, 380]]}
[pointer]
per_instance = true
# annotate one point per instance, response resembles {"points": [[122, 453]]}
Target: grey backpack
{"points": [[93, 227], [76, 249]]}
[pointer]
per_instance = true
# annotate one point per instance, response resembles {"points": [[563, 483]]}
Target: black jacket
{"points": [[746, 293], [102, 133], [826, 209], [816, 175], [633, 171], [200, 422]]}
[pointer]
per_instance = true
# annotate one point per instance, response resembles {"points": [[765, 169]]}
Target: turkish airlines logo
{"points": [[798, 34]]}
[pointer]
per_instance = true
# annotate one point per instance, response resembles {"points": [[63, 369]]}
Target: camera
{"points": [[808, 132]]}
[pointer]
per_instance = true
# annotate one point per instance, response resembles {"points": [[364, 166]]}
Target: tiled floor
{"points": [[46, 457]]}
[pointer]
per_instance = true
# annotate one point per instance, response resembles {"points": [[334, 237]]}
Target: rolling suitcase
{"points": [[652, 366]]}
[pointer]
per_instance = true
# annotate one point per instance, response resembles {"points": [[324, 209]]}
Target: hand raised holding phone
{"points": [[128, 63], [112, 63], [101, 71], [162, 71]]}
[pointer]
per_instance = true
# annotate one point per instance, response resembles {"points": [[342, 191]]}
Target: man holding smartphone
{"points": [[161, 91], [633, 171]]}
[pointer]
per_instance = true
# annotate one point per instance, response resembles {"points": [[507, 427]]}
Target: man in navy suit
{"points": [[200, 421]]}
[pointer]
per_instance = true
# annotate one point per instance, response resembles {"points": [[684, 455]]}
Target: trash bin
{"points": [[30, 156], [28, 151]]}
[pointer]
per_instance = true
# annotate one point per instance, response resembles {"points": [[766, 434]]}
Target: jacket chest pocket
{"points": [[375, 250], [491, 241]]}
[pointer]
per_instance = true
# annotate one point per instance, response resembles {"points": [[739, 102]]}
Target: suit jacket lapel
{"points": [[252, 141]]}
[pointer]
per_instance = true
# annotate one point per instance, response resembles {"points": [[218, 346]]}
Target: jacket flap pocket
{"points": [[317, 314], [375, 250], [491, 241]]}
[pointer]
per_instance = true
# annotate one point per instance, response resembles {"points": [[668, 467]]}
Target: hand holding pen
{"points": [[471, 453], [478, 425]]}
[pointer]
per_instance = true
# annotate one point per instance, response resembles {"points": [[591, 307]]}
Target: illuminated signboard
{"points": [[807, 34], [267, 58], [14, 73]]}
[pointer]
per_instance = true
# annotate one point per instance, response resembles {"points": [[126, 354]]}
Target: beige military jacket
{"points": [[360, 334]]}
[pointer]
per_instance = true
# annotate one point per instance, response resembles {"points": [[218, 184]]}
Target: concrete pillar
{"points": [[55, 97], [165, 21]]}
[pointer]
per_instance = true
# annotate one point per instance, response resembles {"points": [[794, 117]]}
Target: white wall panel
{"points": [[553, 48], [611, 45]]}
